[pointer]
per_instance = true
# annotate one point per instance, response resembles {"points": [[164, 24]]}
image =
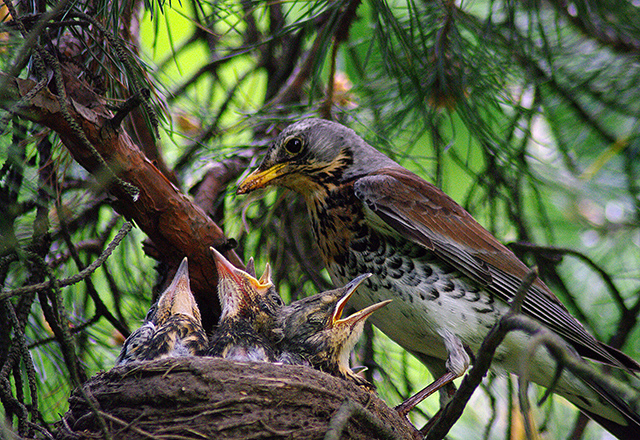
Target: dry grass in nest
{"points": [[200, 398]]}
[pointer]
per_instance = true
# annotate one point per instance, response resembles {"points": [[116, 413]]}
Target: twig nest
{"points": [[199, 397]]}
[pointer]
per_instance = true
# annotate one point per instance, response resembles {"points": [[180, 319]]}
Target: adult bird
{"points": [[172, 327], [249, 310], [312, 331], [450, 279]]}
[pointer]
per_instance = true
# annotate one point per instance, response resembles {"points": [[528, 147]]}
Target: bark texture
{"points": [[174, 223]]}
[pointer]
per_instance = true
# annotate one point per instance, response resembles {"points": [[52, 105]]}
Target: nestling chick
{"points": [[249, 309], [172, 327], [313, 332]]}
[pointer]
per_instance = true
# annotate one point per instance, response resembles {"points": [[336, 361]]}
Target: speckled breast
{"points": [[428, 295]]}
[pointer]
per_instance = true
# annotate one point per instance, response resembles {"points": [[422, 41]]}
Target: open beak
{"points": [[228, 270], [350, 288], [361, 315], [237, 288], [265, 279], [260, 178]]}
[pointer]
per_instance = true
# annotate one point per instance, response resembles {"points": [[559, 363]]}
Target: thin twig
{"points": [[95, 409], [350, 409], [77, 277], [558, 251], [101, 307], [20, 341], [75, 330]]}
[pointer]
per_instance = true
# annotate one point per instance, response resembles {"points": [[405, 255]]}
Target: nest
{"points": [[198, 398]]}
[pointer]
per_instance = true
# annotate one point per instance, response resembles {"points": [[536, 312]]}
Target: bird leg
{"points": [[456, 365], [406, 406]]}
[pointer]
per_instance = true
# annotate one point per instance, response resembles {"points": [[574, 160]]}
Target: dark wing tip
{"points": [[623, 359]]}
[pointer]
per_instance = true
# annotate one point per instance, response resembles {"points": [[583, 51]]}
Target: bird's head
{"points": [[242, 296], [343, 334], [315, 327], [176, 299], [313, 154], [306, 317]]}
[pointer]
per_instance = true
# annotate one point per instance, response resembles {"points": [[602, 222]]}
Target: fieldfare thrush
{"points": [[450, 279], [314, 333], [172, 327], [249, 309]]}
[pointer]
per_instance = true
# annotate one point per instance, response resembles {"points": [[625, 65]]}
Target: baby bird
{"points": [[249, 309], [313, 332], [172, 327]]}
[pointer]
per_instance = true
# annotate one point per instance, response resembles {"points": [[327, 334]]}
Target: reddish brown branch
{"points": [[175, 224]]}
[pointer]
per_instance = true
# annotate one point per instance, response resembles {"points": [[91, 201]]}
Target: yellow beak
{"points": [[350, 287], [361, 315], [260, 179]]}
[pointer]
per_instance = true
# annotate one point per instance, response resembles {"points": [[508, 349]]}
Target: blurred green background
{"points": [[526, 113]]}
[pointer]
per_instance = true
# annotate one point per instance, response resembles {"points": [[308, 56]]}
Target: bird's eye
{"points": [[276, 299], [293, 146]]}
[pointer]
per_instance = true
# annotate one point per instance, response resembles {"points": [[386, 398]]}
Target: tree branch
{"points": [[172, 221]]}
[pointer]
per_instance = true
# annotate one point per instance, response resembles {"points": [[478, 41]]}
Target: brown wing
{"points": [[422, 213]]}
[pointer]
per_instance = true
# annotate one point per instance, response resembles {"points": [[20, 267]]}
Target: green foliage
{"points": [[524, 112]]}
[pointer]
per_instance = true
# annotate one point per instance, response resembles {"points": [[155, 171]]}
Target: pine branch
{"points": [[176, 226]]}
